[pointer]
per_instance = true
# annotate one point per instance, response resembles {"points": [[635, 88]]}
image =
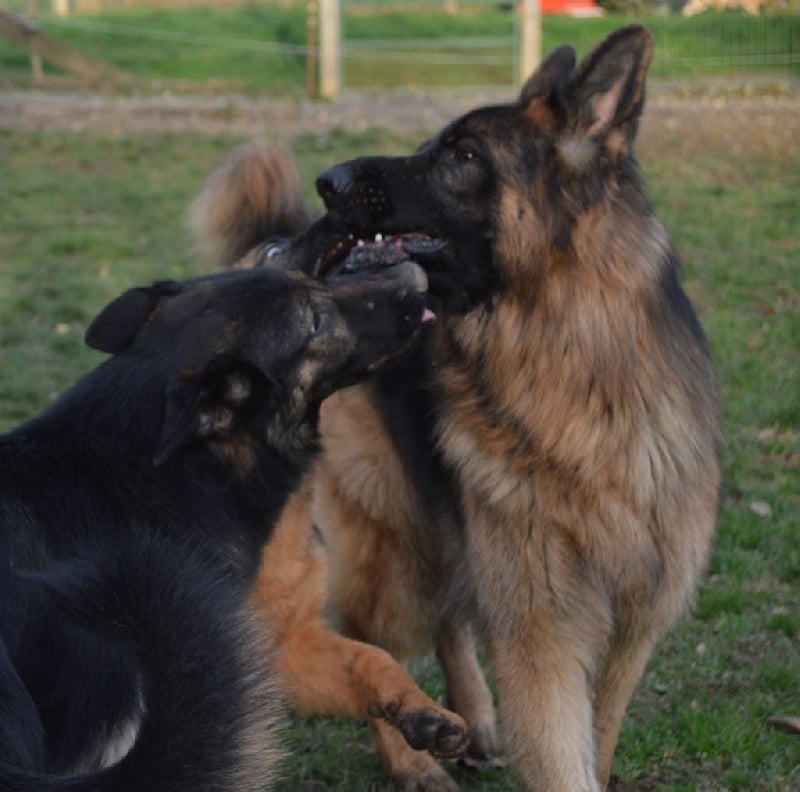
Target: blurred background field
{"points": [[263, 46], [96, 184]]}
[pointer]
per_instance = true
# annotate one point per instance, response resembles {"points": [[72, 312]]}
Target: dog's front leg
{"points": [[547, 624], [467, 691], [546, 713], [325, 673]]}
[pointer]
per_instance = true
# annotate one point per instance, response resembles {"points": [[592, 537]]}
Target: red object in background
{"points": [[577, 8]]}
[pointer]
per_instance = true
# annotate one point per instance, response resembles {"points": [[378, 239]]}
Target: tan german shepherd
{"points": [[543, 472]]}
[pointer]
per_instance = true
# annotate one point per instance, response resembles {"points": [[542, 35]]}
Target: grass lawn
{"points": [[83, 217]]}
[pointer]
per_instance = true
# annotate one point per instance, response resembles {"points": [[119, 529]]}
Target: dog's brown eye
{"points": [[463, 151], [273, 250]]}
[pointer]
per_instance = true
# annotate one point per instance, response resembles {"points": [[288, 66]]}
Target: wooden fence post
{"points": [[312, 48], [330, 49], [530, 37]]}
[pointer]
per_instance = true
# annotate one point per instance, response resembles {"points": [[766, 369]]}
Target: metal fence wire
{"points": [[435, 43], [724, 41]]}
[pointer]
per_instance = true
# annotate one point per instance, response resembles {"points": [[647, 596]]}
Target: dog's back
{"points": [[119, 626], [177, 622]]}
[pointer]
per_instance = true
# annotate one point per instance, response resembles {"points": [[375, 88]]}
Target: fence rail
{"points": [[481, 49]]}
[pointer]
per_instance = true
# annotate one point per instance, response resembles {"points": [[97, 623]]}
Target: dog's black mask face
{"points": [[253, 353], [433, 203], [499, 177]]}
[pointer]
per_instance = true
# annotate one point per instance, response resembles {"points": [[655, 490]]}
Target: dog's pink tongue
{"points": [[428, 317]]}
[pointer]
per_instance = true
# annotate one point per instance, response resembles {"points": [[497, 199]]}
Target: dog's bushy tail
{"points": [[254, 194], [209, 712]]}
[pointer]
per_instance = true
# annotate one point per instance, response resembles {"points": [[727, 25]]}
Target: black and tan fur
{"points": [[322, 671], [133, 513], [545, 472]]}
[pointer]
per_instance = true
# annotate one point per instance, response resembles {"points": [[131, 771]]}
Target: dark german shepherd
{"points": [[133, 513], [545, 471]]}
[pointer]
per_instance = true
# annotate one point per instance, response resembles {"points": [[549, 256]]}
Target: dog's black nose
{"points": [[334, 183]]}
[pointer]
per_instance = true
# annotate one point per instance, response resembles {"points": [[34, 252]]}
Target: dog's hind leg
{"points": [[467, 691], [614, 688]]}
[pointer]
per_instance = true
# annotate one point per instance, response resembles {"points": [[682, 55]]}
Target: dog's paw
{"points": [[483, 749], [440, 732]]}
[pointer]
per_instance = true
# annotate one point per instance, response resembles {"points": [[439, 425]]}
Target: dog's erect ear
{"points": [[115, 328], [553, 72], [607, 91], [207, 407]]}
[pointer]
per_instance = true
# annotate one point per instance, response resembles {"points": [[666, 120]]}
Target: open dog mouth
{"points": [[353, 254], [328, 253]]}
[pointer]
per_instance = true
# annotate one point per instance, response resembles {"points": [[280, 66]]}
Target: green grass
{"points": [[235, 47], [83, 217]]}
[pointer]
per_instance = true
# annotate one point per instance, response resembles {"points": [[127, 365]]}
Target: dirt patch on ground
{"points": [[736, 116]]}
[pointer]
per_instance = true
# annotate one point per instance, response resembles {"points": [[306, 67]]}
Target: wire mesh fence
{"points": [[402, 43], [731, 41]]}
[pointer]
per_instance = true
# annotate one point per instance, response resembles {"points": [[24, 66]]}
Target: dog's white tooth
{"points": [[379, 237], [360, 243]]}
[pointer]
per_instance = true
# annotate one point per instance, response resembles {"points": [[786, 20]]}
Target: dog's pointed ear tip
{"points": [[554, 69], [563, 52], [646, 41], [636, 36], [566, 57], [642, 32]]}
